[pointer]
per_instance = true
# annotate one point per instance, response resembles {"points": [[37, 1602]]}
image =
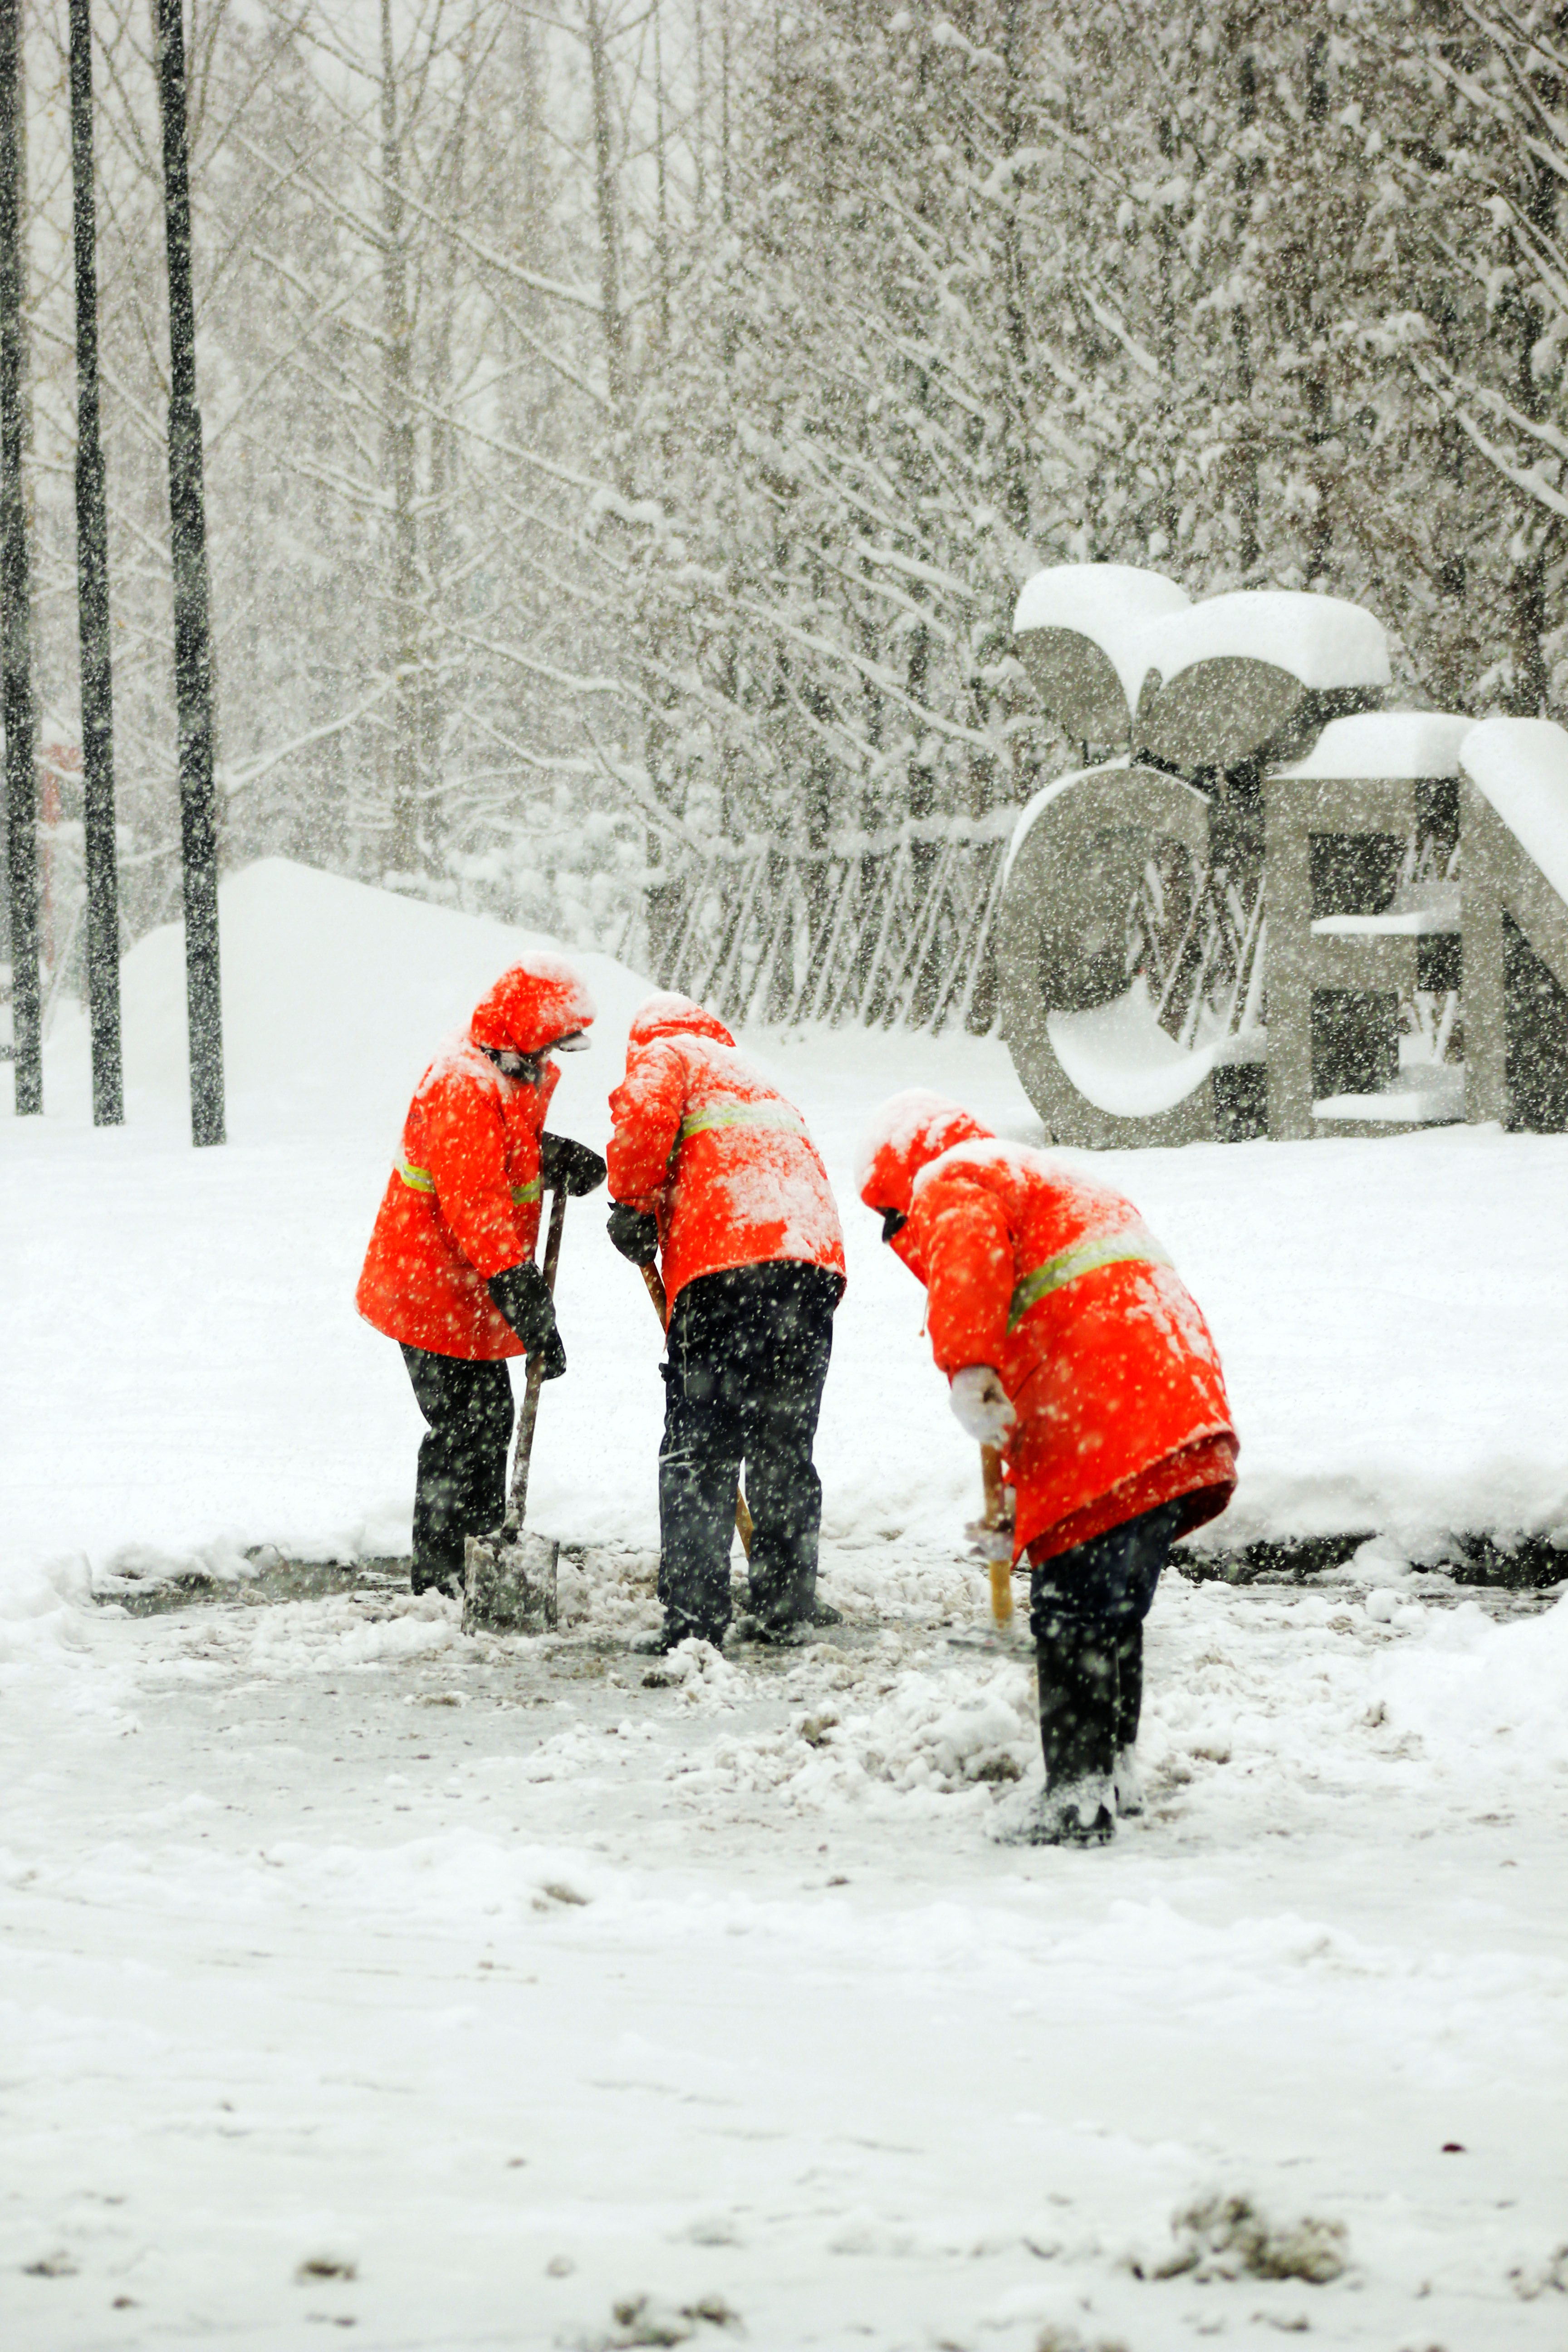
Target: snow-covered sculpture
{"points": [[1263, 825], [1514, 896]]}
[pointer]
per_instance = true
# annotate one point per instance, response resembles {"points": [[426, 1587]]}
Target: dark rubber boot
{"points": [[1129, 1681], [1127, 1782], [671, 1635], [1078, 1671], [439, 1576]]}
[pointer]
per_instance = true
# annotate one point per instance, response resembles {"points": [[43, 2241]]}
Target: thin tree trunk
{"points": [[191, 605], [1247, 502], [700, 116], [662, 238], [403, 616], [609, 244], [725, 201], [193, 634], [1015, 407], [1527, 603], [16, 617], [93, 600], [1318, 393]]}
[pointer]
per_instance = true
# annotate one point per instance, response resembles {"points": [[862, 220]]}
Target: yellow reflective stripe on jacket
{"points": [[1126, 1248], [419, 1179], [697, 1122]]}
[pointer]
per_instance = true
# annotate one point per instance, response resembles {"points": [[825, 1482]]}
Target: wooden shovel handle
{"points": [[996, 1515], [533, 1380], [651, 1277]]}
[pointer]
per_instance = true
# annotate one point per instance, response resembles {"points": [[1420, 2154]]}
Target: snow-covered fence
{"points": [[877, 930], [1279, 909]]}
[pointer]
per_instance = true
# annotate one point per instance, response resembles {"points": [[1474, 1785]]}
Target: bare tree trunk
{"points": [[1165, 305], [1318, 393], [437, 560], [1015, 412], [1527, 611], [1248, 500], [700, 116], [402, 621], [15, 619], [609, 244], [93, 605], [724, 190], [662, 238], [192, 630]]}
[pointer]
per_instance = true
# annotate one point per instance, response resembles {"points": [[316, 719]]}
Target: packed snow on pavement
{"points": [[464, 1991]]}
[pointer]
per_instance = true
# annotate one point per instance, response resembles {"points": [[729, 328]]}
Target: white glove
{"points": [[979, 1405]]}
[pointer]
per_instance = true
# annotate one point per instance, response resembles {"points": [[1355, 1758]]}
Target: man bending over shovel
{"points": [[1070, 1343], [710, 1165], [449, 1272]]}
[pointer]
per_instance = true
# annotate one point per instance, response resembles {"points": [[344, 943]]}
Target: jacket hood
{"points": [[538, 1001], [910, 1131], [668, 1015]]}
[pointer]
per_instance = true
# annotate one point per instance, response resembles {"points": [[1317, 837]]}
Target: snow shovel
{"points": [[992, 1535], [998, 1522], [508, 1584], [650, 1274]]}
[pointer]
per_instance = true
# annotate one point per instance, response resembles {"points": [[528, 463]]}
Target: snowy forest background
{"points": [[628, 425]]}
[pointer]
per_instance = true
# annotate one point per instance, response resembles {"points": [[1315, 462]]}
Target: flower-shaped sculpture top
{"points": [[1122, 659]]}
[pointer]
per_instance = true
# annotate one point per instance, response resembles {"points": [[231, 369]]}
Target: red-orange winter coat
{"points": [[707, 1147], [1054, 1280], [463, 1199]]}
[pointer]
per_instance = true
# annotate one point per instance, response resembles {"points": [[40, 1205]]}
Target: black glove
{"points": [[522, 1294], [553, 1360], [634, 1232], [567, 1166]]}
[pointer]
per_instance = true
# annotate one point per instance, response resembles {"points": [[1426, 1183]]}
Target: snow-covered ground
{"points": [[357, 1973]]}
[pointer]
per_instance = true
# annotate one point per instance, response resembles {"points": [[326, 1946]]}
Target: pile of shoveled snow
{"points": [[41, 1608], [928, 1732], [1486, 1702]]}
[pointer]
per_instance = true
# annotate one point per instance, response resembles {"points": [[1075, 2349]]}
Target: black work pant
{"points": [[461, 1485], [748, 1352], [1087, 1609]]}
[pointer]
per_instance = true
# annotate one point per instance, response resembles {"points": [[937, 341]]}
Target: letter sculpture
{"points": [[1274, 908]]}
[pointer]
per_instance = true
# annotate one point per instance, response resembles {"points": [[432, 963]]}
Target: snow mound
{"points": [[1522, 766], [40, 1610], [335, 995], [1323, 641], [930, 1733], [1392, 743], [1120, 1058], [339, 1634], [1486, 1701], [1110, 603]]}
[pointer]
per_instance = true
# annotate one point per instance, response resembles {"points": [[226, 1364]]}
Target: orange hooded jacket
{"points": [[707, 1147], [463, 1199], [1054, 1281]]}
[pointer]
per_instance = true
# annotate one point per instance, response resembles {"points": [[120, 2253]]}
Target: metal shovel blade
{"points": [[509, 1585]]}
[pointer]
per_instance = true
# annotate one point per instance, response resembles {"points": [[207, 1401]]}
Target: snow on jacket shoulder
{"points": [[1055, 1280], [462, 1203], [704, 1144]]}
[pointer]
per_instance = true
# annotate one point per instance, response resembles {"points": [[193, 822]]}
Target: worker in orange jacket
{"points": [[450, 1272], [710, 1165], [1072, 1346]]}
